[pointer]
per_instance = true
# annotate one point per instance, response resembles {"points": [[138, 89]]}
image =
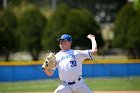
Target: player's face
{"points": [[64, 44]]}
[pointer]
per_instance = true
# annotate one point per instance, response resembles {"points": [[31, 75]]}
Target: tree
{"points": [[133, 37], [76, 22], [8, 36], [55, 24], [137, 4], [31, 25], [79, 23], [127, 29], [1, 4], [121, 25], [97, 7]]}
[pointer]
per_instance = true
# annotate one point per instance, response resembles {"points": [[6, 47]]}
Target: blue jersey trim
{"points": [[90, 55]]}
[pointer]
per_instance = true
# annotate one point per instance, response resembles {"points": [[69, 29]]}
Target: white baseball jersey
{"points": [[70, 63]]}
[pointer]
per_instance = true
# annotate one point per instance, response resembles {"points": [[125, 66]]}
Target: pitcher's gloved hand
{"points": [[50, 62]]}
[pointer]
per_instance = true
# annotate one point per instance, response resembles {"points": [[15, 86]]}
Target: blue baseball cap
{"points": [[65, 37]]}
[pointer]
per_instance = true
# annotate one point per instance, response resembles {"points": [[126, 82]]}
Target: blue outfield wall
{"points": [[111, 70], [34, 72], [22, 73]]}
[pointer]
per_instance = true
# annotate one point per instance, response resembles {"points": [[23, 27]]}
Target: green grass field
{"points": [[97, 84]]}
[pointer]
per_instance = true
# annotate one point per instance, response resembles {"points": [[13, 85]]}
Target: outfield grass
{"points": [[108, 84], [96, 84]]}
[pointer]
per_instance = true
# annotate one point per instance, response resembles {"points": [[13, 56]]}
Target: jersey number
{"points": [[73, 63]]}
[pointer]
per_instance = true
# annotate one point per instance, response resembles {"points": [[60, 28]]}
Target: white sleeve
{"points": [[87, 54]]}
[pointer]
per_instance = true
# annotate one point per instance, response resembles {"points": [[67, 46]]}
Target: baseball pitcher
{"points": [[69, 64]]}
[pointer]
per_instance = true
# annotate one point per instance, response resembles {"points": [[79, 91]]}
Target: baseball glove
{"points": [[50, 62]]}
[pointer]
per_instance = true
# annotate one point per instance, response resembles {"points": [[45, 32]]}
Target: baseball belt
{"points": [[71, 83]]}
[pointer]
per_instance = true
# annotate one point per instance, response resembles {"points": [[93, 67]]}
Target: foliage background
{"points": [[36, 27]]}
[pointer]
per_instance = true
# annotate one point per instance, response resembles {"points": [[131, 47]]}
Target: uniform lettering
{"points": [[66, 57]]}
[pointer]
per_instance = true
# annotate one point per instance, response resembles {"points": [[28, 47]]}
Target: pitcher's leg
{"points": [[63, 89], [84, 89]]}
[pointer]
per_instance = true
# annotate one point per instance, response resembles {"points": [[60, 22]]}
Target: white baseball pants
{"points": [[78, 87]]}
